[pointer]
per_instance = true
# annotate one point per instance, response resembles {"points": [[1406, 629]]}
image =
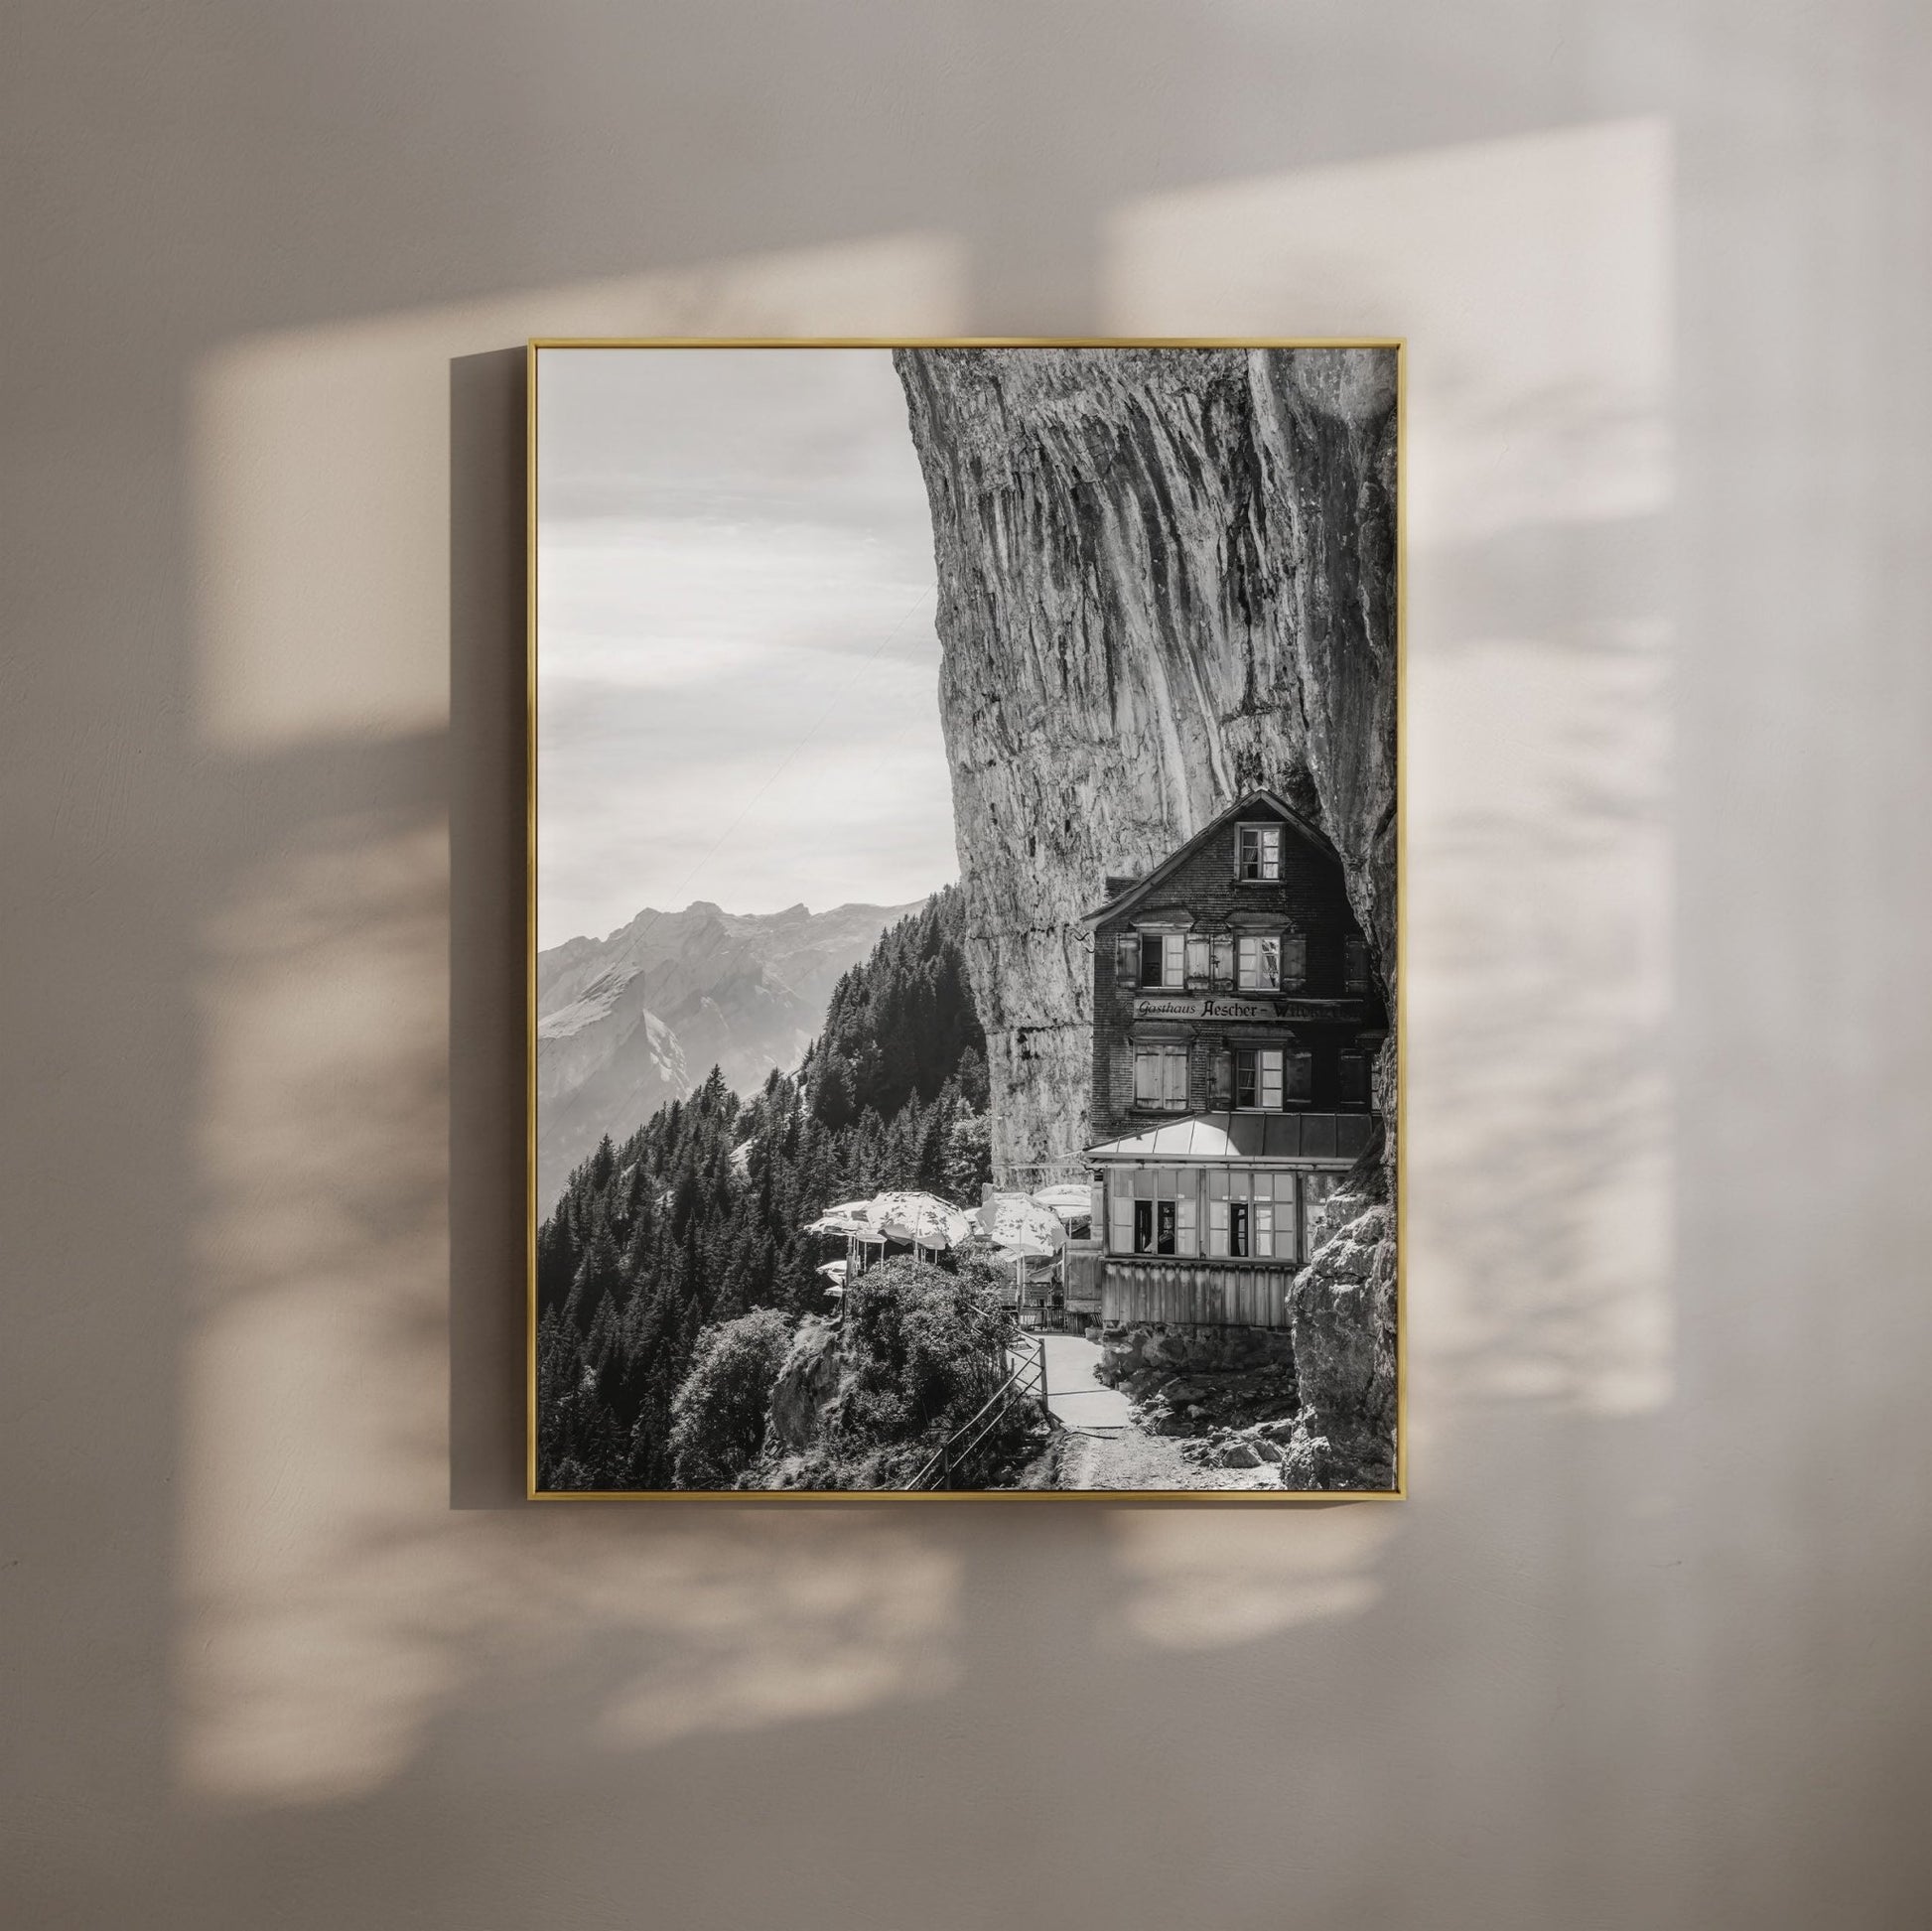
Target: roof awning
{"points": [[1244, 1136]]}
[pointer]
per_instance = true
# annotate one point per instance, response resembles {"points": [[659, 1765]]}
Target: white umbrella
{"points": [[841, 1223], [1012, 1220], [834, 1270], [1070, 1200], [923, 1218]]}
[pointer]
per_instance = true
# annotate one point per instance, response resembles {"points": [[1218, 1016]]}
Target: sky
{"points": [[737, 671]]}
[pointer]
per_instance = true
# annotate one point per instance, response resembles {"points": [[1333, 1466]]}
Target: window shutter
{"points": [[1224, 1079], [1295, 960], [1224, 960], [1197, 958], [1127, 959], [1300, 1075], [1173, 1080], [1122, 1056], [1355, 965]]}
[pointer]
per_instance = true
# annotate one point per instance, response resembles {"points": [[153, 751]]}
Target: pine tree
{"points": [[665, 1237]]}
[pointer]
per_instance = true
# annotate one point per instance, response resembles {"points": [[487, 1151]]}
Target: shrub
{"points": [[719, 1411], [923, 1347]]}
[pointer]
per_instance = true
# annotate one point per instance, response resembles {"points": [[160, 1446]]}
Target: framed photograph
{"points": [[965, 920]]}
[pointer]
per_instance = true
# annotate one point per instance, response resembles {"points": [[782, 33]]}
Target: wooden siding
{"points": [[1084, 1264], [1190, 1294], [1309, 902]]}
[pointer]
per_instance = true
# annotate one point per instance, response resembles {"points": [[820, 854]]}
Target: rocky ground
{"points": [[1132, 1459], [1199, 1430], [1219, 1421]]}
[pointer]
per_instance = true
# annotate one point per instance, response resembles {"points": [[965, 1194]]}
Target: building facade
{"points": [[1236, 1026]]}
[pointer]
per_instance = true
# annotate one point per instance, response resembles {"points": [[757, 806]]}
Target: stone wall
{"points": [[1126, 1349]]}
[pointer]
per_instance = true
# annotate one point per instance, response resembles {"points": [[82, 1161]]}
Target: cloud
{"points": [[737, 664]]}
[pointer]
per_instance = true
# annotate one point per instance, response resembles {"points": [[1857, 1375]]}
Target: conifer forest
{"points": [[674, 1273]]}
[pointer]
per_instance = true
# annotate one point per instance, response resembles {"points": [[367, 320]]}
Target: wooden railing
{"points": [[955, 1462]]}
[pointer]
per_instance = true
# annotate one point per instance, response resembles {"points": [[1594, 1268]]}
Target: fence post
{"points": [[1044, 1411]]}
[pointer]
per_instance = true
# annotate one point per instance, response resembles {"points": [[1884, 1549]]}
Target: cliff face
{"points": [[1165, 576]]}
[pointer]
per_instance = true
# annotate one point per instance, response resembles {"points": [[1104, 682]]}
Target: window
{"points": [[1355, 965], [1160, 1078], [1154, 1226], [1353, 1069], [1164, 958], [1268, 1078], [1258, 965], [1250, 1214], [1259, 852], [1258, 1078], [1120, 1210], [1266, 962], [1154, 1210]]}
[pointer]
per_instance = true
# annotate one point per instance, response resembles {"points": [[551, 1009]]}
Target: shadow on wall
{"points": [[350, 1643]]}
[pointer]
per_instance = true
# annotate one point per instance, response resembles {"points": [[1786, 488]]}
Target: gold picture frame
{"points": [[535, 349]]}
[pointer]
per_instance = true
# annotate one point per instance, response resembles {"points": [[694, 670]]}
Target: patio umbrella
{"points": [[923, 1218], [834, 1270], [836, 1223], [1070, 1200], [1012, 1220]]}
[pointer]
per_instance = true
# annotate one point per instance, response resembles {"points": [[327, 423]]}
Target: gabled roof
{"points": [[1242, 806], [1244, 1136]]}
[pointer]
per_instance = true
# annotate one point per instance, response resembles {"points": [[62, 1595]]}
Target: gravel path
{"points": [[1133, 1458], [1103, 1444]]}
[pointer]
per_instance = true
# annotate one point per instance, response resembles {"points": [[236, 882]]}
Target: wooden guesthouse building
{"points": [[1236, 1023]]}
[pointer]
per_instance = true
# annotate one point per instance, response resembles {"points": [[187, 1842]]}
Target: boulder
{"points": [[806, 1387]]}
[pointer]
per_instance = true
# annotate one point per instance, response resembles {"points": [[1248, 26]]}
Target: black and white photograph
{"points": [[966, 920]]}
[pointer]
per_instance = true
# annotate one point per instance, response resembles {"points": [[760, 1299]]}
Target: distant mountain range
{"points": [[627, 1022]]}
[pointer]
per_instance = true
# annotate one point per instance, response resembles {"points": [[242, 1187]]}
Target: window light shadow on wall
{"points": [[331, 1602], [1531, 279], [336, 1615]]}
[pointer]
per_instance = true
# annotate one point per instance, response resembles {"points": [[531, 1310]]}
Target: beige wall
{"points": [[1646, 1649]]}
